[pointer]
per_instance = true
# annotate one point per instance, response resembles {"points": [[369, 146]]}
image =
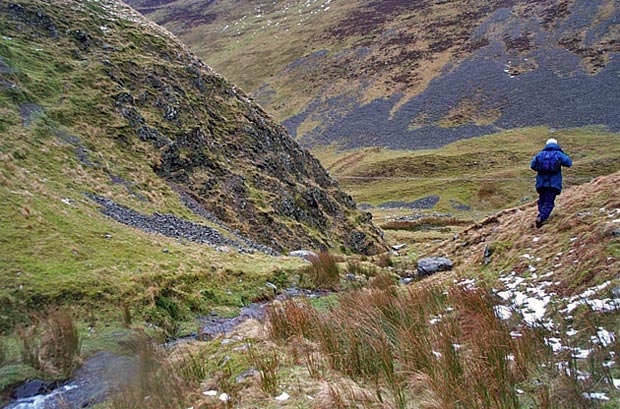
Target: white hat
{"points": [[551, 140]]}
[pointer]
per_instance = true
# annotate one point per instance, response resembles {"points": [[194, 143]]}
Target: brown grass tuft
{"points": [[157, 385], [52, 344], [446, 346], [290, 318], [323, 272]]}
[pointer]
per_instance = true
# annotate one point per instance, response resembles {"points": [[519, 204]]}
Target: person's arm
{"points": [[566, 160], [533, 163]]}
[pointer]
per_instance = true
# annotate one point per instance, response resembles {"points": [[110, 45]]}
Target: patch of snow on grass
{"points": [[502, 312], [596, 305], [604, 337], [581, 353], [555, 344], [595, 396], [284, 396]]}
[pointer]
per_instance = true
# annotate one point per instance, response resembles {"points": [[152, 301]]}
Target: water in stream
{"points": [[105, 372]]}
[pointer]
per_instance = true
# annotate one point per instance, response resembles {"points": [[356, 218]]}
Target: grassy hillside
{"points": [[527, 318], [139, 187], [486, 174], [98, 103], [424, 196], [112, 85], [410, 75]]}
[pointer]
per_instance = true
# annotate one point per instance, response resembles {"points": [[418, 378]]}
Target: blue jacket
{"points": [[554, 180]]}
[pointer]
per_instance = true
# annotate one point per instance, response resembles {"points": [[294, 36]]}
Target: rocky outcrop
{"points": [[152, 100]]}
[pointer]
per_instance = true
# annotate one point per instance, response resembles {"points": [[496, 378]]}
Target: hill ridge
{"points": [[411, 75], [149, 99]]}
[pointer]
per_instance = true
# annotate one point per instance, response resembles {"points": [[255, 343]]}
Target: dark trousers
{"points": [[546, 201]]}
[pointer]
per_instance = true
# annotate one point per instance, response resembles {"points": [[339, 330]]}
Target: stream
{"points": [[105, 372]]}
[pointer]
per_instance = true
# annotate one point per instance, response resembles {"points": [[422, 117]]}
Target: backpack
{"points": [[548, 163]]}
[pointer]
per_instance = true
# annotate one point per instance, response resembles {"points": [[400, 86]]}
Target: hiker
{"points": [[548, 163]]}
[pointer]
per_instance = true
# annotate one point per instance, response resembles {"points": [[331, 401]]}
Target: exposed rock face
{"points": [[153, 100]]}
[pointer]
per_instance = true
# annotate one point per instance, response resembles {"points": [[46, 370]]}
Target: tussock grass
{"points": [[191, 366], [51, 344], [157, 384], [267, 365], [384, 260], [448, 346], [361, 269], [383, 281], [313, 361], [322, 273], [290, 318]]}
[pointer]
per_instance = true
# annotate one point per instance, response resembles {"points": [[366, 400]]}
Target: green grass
{"points": [[487, 173]]}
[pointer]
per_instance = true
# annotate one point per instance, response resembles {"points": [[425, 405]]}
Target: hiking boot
{"points": [[539, 222]]}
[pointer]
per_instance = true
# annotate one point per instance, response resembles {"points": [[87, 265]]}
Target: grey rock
{"points": [[305, 254], [29, 112], [431, 265], [427, 202], [359, 243], [456, 205], [399, 246], [34, 387], [246, 374], [487, 254], [365, 206], [165, 224]]}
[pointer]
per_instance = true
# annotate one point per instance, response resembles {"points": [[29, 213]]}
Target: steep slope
{"points": [[577, 250], [96, 99], [410, 74]]}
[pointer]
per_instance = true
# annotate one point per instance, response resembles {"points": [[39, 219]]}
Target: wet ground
{"points": [[105, 372], [92, 383]]}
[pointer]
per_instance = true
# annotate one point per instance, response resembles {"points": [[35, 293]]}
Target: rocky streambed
{"points": [[91, 384], [106, 372]]}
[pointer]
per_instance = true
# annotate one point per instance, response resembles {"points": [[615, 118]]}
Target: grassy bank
{"points": [[486, 174]]}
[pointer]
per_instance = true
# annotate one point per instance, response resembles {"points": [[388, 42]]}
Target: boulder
{"points": [[34, 387], [305, 254], [431, 265]]}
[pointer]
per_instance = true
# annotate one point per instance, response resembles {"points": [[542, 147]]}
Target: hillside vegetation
{"points": [[485, 174], [527, 318], [103, 112], [422, 196], [410, 74], [145, 202]]}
